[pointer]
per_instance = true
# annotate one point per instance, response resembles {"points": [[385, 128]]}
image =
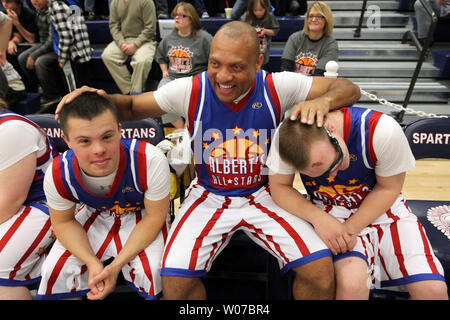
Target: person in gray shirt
{"points": [[184, 52], [260, 16], [309, 50]]}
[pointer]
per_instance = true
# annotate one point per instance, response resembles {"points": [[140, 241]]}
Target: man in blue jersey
{"points": [[108, 198], [231, 110], [354, 176], [25, 228]]}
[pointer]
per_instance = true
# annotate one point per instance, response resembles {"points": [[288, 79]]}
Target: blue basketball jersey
{"points": [[36, 192], [349, 187], [231, 141], [127, 191]]}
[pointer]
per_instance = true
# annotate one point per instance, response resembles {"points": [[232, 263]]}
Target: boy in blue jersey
{"points": [[109, 198], [25, 228], [354, 176], [231, 110]]}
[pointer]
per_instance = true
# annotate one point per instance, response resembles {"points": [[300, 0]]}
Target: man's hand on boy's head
{"points": [[68, 98], [311, 111]]}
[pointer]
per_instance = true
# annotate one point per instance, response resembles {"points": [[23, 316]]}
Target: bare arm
{"points": [[326, 94], [140, 238], [5, 34], [334, 234], [15, 182], [377, 202]]}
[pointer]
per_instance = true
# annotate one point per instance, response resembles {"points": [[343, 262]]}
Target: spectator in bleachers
{"points": [[133, 28], [260, 16], [43, 49], [440, 7], [25, 227], [23, 35], [184, 52], [309, 50], [72, 47], [162, 9], [199, 6]]}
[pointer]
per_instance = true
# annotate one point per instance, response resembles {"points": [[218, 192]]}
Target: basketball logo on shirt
{"points": [[180, 59], [306, 63], [236, 162]]}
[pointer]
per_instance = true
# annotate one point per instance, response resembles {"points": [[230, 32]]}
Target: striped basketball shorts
{"points": [[65, 276], [395, 247], [206, 221], [24, 239]]}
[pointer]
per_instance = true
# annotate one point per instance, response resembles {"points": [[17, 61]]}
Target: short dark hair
{"points": [[87, 105], [296, 140]]}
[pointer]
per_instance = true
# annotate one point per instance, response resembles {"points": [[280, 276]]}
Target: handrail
{"points": [[423, 50], [357, 33]]}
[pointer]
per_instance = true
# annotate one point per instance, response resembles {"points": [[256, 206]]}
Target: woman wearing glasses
{"points": [[184, 52], [309, 50]]}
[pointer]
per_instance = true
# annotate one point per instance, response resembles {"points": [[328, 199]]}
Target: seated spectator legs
{"points": [[29, 73], [50, 77], [423, 19], [141, 62]]}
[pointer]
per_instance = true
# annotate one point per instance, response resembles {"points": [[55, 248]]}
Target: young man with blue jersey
{"points": [[25, 227], [231, 110], [108, 198], [353, 170]]}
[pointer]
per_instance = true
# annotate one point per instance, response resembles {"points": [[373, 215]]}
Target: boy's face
{"points": [[39, 4], [95, 142], [327, 159]]}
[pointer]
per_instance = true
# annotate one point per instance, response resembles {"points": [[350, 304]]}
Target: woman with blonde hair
{"points": [[309, 50], [184, 52]]}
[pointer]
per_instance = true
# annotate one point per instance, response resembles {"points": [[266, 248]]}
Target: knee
{"points": [[428, 290], [315, 280], [182, 288]]}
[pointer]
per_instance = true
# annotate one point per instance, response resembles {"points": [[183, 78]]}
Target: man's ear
{"points": [[330, 126], [259, 62]]}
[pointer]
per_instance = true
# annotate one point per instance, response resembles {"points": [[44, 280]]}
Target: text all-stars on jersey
{"points": [[349, 187], [229, 145], [127, 191]]}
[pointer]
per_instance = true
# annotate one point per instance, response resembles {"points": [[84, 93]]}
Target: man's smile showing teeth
{"points": [[223, 86]]}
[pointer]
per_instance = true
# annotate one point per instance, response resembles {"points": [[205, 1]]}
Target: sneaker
{"points": [[205, 15]]}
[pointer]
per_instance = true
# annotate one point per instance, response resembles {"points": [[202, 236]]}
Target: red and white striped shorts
{"points": [[65, 276], [24, 239], [395, 247], [206, 221]]}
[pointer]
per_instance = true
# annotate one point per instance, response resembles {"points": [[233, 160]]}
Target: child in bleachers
{"points": [[23, 34], [71, 40], [35, 62], [260, 16], [184, 52]]}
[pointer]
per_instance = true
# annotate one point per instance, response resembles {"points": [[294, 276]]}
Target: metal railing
{"points": [[422, 49]]}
